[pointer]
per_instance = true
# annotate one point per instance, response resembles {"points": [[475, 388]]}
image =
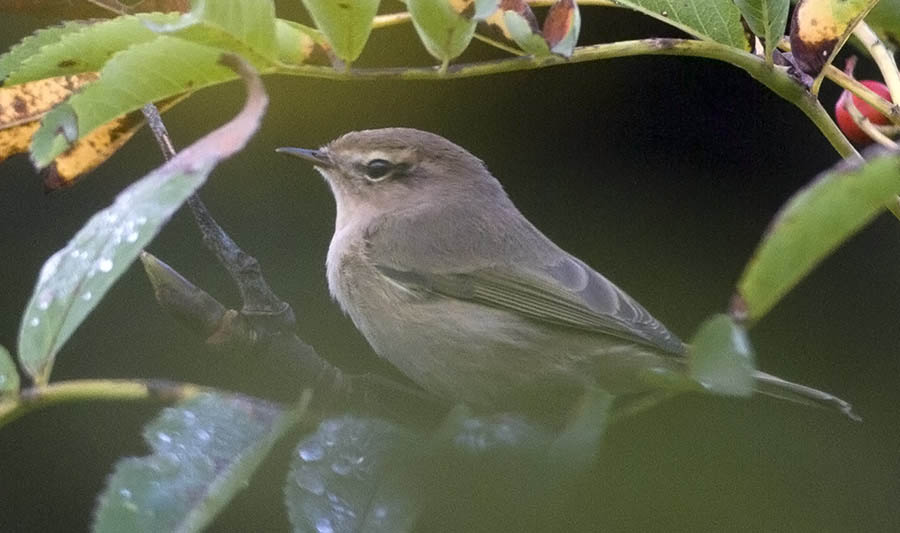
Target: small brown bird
{"points": [[449, 282]]}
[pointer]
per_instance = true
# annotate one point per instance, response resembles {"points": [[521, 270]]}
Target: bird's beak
{"points": [[316, 157]]}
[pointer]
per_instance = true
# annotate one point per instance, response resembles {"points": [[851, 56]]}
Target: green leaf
{"points": [[29, 46], [76, 277], [444, 32], [767, 19], [146, 72], [246, 28], [885, 20], [204, 452], [9, 376], [338, 476], [721, 357], [528, 38], [717, 20], [89, 48], [814, 222], [346, 24]]}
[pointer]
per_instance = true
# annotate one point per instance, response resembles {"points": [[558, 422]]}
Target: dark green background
{"points": [[660, 172]]}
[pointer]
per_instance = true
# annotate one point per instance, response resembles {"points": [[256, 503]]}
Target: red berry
{"points": [[845, 121]]}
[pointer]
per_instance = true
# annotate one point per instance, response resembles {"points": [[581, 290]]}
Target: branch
{"points": [[258, 298], [774, 78], [60, 392]]}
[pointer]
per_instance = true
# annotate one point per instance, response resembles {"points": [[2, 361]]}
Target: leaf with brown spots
{"points": [[820, 27], [25, 102]]}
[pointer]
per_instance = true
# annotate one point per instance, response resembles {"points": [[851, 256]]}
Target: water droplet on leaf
{"points": [[323, 525], [311, 451]]}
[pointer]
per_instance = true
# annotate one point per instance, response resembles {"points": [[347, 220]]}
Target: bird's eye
{"points": [[378, 169]]}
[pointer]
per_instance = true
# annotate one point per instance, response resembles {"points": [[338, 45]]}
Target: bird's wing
{"points": [[566, 293]]}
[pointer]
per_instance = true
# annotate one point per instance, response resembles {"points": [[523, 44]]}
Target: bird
{"points": [[453, 286]]}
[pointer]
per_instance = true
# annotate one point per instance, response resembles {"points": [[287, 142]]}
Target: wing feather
{"points": [[567, 293]]}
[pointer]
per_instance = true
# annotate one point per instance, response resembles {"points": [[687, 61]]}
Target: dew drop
{"points": [[43, 303], [105, 265], [141, 220], [323, 525], [163, 437], [380, 512], [34, 322], [341, 469], [87, 296], [49, 268], [131, 237], [311, 451], [125, 493], [310, 481], [203, 435]]}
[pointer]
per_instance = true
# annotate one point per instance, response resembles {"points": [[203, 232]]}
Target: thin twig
{"points": [[865, 94], [883, 58], [154, 121]]}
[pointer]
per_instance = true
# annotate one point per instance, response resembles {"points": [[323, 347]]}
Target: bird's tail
{"points": [[779, 388]]}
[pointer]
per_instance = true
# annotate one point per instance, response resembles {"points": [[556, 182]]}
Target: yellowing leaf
{"points": [[22, 107], [820, 27], [29, 101], [95, 148]]}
